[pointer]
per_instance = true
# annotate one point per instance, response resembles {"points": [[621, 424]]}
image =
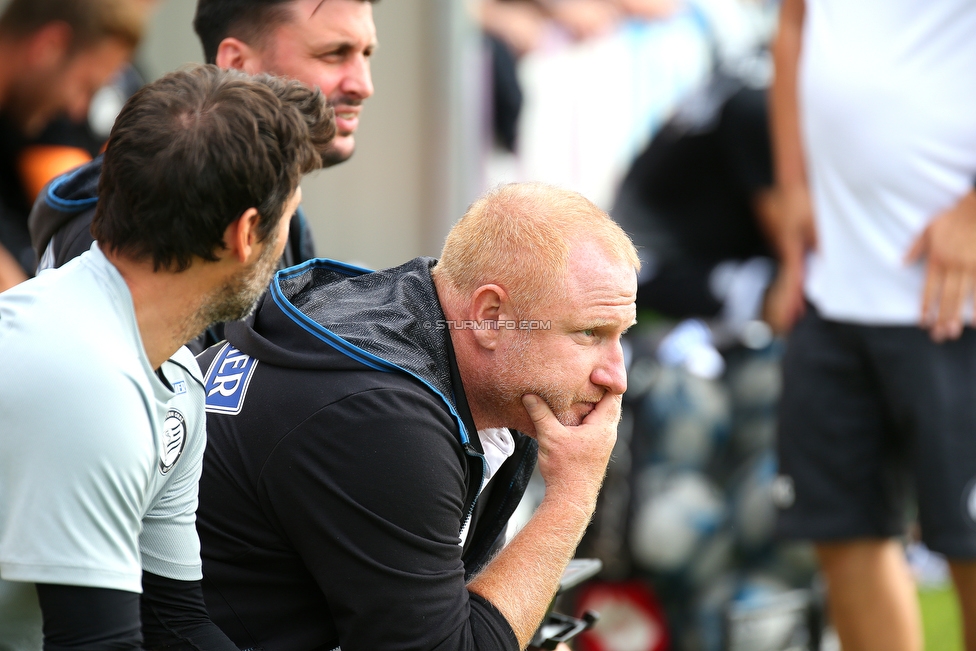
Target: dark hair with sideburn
{"points": [[192, 151]]}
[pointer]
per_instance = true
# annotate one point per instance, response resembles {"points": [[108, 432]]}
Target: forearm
{"points": [[174, 617], [788, 160], [522, 580], [82, 618]]}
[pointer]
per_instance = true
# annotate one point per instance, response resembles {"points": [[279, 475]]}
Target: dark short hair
{"points": [[190, 152], [248, 20]]}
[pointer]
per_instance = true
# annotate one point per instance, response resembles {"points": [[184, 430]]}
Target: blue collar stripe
{"points": [[323, 263], [72, 205], [324, 334]]}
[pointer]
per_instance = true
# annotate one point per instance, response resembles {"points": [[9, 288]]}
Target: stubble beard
{"points": [[238, 297], [516, 380]]}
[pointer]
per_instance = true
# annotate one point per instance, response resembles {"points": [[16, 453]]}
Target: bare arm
{"points": [[521, 581], [794, 230], [790, 170]]}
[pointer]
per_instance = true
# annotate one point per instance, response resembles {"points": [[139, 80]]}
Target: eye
{"points": [[590, 332]]}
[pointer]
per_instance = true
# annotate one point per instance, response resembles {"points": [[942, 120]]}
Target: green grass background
{"points": [[940, 619]]}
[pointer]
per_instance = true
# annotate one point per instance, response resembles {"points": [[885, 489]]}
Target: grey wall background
{"points": [[416, 166]]}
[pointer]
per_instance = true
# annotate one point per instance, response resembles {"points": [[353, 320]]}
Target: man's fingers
{"points": [[810, 234], [971, 297], [607, 408], [951, 303], [933, 286], [537, 409], [965, 297]]}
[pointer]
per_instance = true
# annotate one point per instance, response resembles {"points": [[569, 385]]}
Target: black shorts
{"points": [[869, 416]]}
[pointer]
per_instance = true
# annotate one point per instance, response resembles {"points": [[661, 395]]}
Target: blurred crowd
{"points": [[64, 76]]}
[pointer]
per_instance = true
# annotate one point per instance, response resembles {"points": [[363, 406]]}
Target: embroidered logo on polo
{"points": [[174, 440], [227, 380], [179, 387]]}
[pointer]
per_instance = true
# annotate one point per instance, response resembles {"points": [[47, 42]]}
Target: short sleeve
{"points": [[73, 478], [169, 543]]}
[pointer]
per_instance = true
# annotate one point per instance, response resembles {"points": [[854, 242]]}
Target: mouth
{"points": [[587, 408], [347, 120]]}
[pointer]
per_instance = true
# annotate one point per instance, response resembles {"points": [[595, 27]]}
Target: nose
{"points": [[610, 372], [358, 80]]}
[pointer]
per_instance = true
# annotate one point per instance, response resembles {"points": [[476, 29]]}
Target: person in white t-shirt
{"points": [[101, 408], [874, 132]]}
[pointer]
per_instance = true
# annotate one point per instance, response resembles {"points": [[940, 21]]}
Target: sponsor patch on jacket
{"points": [[174, 440], [179, 387], [227, 380]]}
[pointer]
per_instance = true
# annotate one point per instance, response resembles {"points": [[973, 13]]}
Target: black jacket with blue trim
{"points": [[60, 229], [60, 221], [341, 465]]}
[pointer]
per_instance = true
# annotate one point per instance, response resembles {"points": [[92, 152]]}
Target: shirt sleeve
{"points": [[169, 543], [74, 478], [370, 491]]}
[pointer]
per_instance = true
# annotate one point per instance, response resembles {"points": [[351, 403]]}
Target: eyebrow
{"points": [[603, 323]]}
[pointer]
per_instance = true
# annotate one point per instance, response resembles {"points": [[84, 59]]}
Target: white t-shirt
{"points": [[99, 458], [888, 112]]}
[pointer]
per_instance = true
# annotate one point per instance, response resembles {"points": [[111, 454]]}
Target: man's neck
{"points": [[167, 305]]}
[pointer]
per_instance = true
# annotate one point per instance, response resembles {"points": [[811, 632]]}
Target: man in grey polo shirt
{"points": [[101, 409]]}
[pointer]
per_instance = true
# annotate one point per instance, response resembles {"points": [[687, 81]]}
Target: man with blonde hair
{"points": [[365, 451]]}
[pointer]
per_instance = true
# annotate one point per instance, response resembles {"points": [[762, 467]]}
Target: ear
{"points": [[49, 46], [241, 237], [490, 304], [233, 53]]}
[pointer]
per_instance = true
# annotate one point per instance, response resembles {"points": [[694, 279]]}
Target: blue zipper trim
{"points": [[343, 268], [72, 205], [363, 357]]}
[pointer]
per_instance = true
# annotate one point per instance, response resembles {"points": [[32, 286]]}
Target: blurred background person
{"points": [[322, 44], [327, 45], [697, 202], [875, 149], [54, 55]]}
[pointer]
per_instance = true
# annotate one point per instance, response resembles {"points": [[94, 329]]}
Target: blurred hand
{"points": [[649, 9], [949, 245], [573, 460], [519, 24], [585, 18], [787, 217], [784, 303]]}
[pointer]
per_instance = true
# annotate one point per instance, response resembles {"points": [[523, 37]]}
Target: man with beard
{"points": [[363, 458], [321, 43], [101, 409]]}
